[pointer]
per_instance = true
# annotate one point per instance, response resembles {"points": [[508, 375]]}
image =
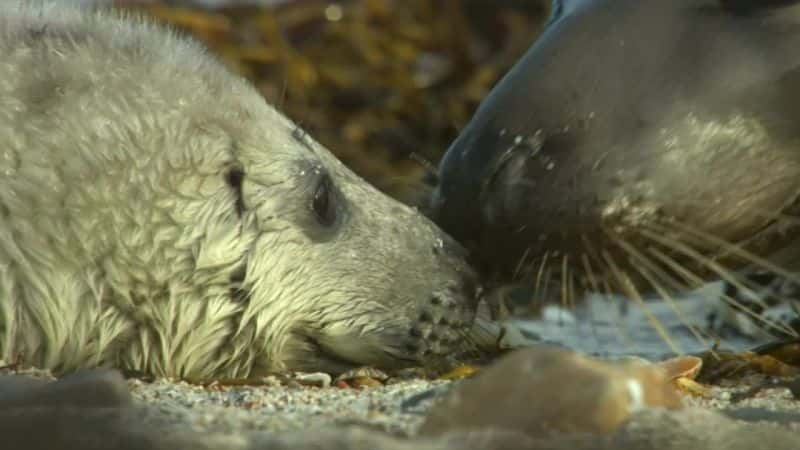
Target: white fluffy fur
{"points": [[119, 234]]}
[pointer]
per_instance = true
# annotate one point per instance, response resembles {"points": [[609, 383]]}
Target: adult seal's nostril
{"points": [[663, 131]]}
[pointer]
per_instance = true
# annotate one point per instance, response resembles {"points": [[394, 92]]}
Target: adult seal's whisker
{"points": [[671, 124]]}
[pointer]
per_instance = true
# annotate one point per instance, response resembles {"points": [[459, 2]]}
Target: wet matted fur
{"points": [[157, 215]]}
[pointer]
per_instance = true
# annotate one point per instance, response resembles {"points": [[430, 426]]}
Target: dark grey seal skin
{"points": [[644, 143]]}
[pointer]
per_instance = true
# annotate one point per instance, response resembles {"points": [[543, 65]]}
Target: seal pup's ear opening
{"points": [[234, 176]]}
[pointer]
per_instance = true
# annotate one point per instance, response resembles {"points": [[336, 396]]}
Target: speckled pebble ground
{"points": [[773, 405], [396, 408]]}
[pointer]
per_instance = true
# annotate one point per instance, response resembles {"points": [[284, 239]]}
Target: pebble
{"points": [[172, 415], [363, 372], [283, 408], [318, 379], [545, 389], [85, 389]]}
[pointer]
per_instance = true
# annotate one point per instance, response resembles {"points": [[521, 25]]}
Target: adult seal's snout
{"points": [[633, 125]]}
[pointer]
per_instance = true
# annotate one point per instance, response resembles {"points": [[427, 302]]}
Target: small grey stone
{"points": [[12, 386], [359, 438], [81, 428], [763, 415], [420, 403], [696, 428], [68, 428], [90, 388], [540, 390]]}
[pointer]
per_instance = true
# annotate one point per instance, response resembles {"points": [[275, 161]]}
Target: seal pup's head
{"points": [[638, 143], [160, 216]]}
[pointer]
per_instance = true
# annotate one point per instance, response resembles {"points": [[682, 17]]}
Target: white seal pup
{"points": [[158, 216]]}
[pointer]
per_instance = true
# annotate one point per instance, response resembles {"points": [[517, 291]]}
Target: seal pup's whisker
{"points": [[468, 346]]}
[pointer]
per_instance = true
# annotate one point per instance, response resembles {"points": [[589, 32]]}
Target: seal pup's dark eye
{"points": [[234, 177], [324, 202]]}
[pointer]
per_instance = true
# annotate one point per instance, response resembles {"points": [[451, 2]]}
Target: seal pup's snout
{"points": [[442, 321], [397, 291], [442, 318]]}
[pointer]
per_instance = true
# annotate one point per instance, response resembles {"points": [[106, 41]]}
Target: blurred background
{"points": [[386, 85]]}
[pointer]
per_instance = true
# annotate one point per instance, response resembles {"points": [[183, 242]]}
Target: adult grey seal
{"points": [[638, 146], [158, 216]]}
